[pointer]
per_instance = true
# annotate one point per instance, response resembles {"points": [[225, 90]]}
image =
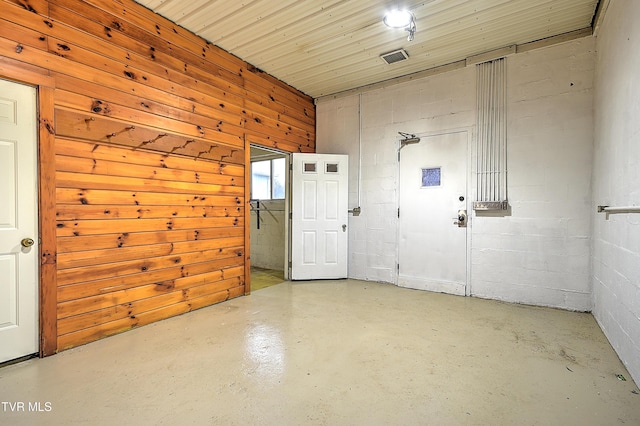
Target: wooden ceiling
{"points": [[326, 47]]}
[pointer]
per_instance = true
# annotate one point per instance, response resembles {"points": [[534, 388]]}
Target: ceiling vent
{"points": [[395, 56]]}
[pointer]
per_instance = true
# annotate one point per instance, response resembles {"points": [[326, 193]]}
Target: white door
{"points": [[319, 210], [432, 248], [18, 222]]}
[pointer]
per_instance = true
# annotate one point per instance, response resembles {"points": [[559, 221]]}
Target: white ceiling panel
{"points": [[331, 46]]}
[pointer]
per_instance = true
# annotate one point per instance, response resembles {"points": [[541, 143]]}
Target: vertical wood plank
{"points": [[247, 216], [47, 222]]}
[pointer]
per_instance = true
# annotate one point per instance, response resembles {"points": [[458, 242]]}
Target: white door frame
{"points": [[468, 204]]}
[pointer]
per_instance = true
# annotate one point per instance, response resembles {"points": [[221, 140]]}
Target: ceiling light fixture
{"points": [[401, 19]]}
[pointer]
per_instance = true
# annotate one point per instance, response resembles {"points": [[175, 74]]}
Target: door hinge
{"points": [[290, 215], [290, 264], [290, 167], [398, 212], [398, 267]]}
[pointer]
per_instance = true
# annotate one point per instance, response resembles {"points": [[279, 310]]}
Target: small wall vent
{"points": [[395, 56]]}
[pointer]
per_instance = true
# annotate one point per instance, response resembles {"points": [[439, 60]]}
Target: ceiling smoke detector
{"points": [[395, 56]]}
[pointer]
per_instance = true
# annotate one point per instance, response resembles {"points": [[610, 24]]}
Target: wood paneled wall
{"points": [[143, 148]]}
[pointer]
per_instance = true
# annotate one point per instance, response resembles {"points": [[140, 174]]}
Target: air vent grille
{"points": [[395, 56]]}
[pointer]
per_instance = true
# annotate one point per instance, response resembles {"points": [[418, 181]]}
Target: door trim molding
{"points": [[47, 223], [247, 216]]}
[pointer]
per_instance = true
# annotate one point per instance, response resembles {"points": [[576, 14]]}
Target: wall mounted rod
{"points": [[258, 214], [627, 209], [359, 152]]}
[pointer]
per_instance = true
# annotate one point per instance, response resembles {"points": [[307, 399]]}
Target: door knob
{"points": [[462, 219], [27, 242]]}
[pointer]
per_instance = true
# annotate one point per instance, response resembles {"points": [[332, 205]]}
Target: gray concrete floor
{"points": [[336, 352]]}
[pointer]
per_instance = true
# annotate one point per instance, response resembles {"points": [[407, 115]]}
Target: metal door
{"points": [[433, 194]]}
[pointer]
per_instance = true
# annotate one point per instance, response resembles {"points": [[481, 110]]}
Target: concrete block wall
{"points": [[616, 241], [342, 137], [539, 253], [423, 106], [268, 242]]}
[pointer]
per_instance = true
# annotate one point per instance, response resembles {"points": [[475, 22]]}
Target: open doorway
{"points": [[269, 232]]}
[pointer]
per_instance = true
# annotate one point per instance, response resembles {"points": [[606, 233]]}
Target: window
{"points": [[331, 168], [309, 168], [431, 177], [268, 179]]}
